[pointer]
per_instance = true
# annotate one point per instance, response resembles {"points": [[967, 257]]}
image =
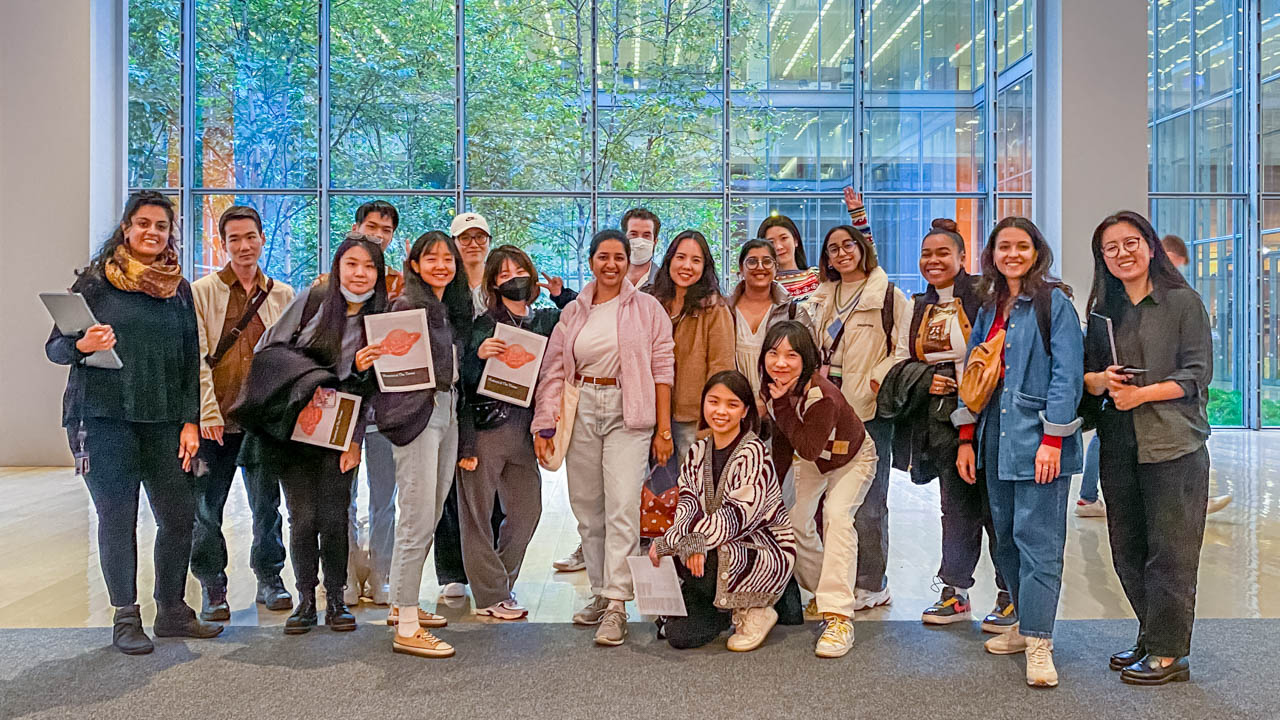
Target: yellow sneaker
{"points": [[811, 610], [837, 637], [425, 619], [422, 644]]}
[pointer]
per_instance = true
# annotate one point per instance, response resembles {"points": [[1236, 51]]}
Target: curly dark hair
{"points": [[992, 287]]}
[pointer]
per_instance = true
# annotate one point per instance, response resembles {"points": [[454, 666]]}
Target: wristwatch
{"points": [[665, 434]]}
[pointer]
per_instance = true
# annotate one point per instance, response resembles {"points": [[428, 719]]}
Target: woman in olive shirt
{"points": [[1153, 426]]}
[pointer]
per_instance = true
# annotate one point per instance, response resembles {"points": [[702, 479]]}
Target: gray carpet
{"points": [[896, 670]]}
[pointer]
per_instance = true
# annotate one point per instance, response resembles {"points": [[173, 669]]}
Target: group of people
{"points": [[785, 402]]}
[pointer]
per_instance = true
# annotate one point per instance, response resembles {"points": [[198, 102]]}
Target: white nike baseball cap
{"points": [[466, 221]]}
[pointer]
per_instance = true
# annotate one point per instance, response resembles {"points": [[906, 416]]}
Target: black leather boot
{"points": [[1149, 671], [181, 621], [336, 615], [213, 603], [1125, 658], [127, 634], [273, 595], [304, 616]]}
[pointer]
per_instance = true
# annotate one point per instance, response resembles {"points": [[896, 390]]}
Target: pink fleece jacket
{"points": [[646, 351]]}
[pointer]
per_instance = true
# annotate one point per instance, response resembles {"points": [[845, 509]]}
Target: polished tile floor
{"points": [[51, 576]]}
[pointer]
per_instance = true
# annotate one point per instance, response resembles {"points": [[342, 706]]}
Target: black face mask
{"points": [[518, 289]]}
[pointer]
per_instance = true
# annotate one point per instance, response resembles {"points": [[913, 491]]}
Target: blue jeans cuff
{"points": [[1036, 634]]}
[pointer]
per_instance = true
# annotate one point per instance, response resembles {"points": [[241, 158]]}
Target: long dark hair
{"points": [[705, 291], [135, 202], [326, 344], [784, 222], [739, 386], [800, 340], [457, 295], [993, 289], [1107, 289], [866, 263]]}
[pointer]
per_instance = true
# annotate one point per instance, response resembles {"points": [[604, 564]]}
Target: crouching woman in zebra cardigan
{"points": [[730, 503]]}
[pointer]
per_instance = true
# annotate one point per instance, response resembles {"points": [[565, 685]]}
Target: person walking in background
{"points": [[1025, 438], [234, 307], [138, 426], [1153, 428]]}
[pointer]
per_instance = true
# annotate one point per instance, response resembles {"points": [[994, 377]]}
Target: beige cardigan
{"points": [[211, 295]]}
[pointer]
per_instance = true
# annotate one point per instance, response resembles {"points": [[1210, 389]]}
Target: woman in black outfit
{"points": [[322, 329], [1152, 429], [139, 425]]}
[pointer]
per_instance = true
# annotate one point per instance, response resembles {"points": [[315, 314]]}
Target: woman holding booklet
{"points": [[496, 447]]}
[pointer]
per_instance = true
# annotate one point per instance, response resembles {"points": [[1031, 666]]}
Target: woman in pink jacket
{"points": [[614, 344]]}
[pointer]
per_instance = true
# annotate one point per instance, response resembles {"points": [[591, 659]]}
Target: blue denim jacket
{"points": [[1041, 393]]}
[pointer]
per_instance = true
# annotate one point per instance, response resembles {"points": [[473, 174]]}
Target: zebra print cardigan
{"points": [[744, 520]]}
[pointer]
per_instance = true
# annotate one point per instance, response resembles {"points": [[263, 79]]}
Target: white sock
{"points": [[962, 594], [407, 624]]}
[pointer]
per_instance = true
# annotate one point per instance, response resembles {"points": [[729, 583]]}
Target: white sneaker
{"points": [[866, 599], [500, 611], [1097, 508], [750, 627], [513, 604], [454, 590], [571, 563], [1010, 643], [1217, 503], [837, 637], [1040, 669]]}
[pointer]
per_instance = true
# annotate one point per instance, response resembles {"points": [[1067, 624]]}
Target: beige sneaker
{"points": [[1040, 670], [593, 613], [1010, 643], [811, 610], [613, 628], [425, 619], [422, 644], [837, 637], [750, 627]]}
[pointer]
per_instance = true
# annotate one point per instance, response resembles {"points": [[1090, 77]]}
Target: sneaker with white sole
{"points": [[571, 563], [500, 611], [613, 628], [422, 644], [425, 619], [951, 607], [867, 599], [513, 604], [1003, 617], [454, 590], [1086, 509], [1010, 643], [750, 627], [593, 613], [836, 638], [1040, 669]]}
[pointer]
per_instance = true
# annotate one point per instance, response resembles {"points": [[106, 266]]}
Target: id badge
{"points": [[82, 463]]}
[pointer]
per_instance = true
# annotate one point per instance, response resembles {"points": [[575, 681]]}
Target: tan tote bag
{"points": [[564, 425]]}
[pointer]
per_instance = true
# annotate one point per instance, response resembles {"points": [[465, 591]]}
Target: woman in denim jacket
{"points": [[1026, 440]]}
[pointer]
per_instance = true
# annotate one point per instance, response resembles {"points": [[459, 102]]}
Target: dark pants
{"points": [[317, 495], [872, 519], [705, 621], [966, 512], [1155, 519], [124, 456], [208, 546], [448, 542]]}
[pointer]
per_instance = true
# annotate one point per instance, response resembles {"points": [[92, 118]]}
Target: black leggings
{"points": [[317, 494], [705, 621]]}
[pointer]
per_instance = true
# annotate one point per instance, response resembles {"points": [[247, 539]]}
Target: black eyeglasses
{"points": [[1130, 245], [849, 247]]}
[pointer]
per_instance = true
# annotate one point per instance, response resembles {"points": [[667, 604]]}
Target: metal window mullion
{"points": [[859, 92], [459, 106], [726, 99], [989, 109], [595, 116], [323, 166], [1249, 271], [186, 133]]}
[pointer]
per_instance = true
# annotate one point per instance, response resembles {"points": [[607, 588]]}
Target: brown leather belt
{"points": [[596, 381]]}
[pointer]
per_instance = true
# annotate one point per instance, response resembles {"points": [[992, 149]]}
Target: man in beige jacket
{"points": [[234, 307]]}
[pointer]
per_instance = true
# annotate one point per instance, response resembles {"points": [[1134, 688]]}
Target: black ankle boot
{"points": [[336, 615], [181, 621], [304, 616], [127, 635], [213, 603], [272, 594]]}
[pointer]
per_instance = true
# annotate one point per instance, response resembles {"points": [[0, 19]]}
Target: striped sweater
{"points": [[744, 513]]}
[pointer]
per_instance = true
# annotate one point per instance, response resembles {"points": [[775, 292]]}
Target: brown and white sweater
{"points": [[820, 426]]}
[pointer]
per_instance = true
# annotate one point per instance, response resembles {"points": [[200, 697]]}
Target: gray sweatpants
{"points": [[508, 468]]}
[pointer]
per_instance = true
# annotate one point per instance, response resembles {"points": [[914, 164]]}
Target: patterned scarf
{"points": [[159, 279]]}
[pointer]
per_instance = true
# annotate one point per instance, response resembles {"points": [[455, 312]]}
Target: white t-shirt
{"points": [[747, 349], [478, 306], [596, 348]]}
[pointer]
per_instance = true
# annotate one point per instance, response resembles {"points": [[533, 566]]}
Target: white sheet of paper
{"points": [[406, 363], [514, 375], [657, 588], [329, 420]]}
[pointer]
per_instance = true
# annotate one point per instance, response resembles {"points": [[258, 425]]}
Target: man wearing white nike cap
{"points": [[471, 231]]}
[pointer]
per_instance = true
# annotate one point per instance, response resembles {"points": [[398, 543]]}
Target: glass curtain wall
{"points": [[552, 117]]}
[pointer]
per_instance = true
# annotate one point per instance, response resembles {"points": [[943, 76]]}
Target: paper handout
{"points": [[329, 420], [657, 588], [513, 375], [406, 363]]}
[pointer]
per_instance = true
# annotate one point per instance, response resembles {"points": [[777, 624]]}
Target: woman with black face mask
{"points": [[496, 449]]}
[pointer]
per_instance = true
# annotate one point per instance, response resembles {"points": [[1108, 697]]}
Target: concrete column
{"points": [[1091, 108]]}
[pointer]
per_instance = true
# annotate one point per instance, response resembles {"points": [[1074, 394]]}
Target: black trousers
{"points": [[124, 456], [966, 513], [448, 539], [317, 495], [1155, 520], [705, 621], [208, 545]]}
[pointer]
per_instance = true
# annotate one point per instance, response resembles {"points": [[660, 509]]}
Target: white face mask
{"points": [[354, 298], [641, 251]]}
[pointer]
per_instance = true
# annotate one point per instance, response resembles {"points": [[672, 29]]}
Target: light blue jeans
{"points": [[1089, 483]]}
